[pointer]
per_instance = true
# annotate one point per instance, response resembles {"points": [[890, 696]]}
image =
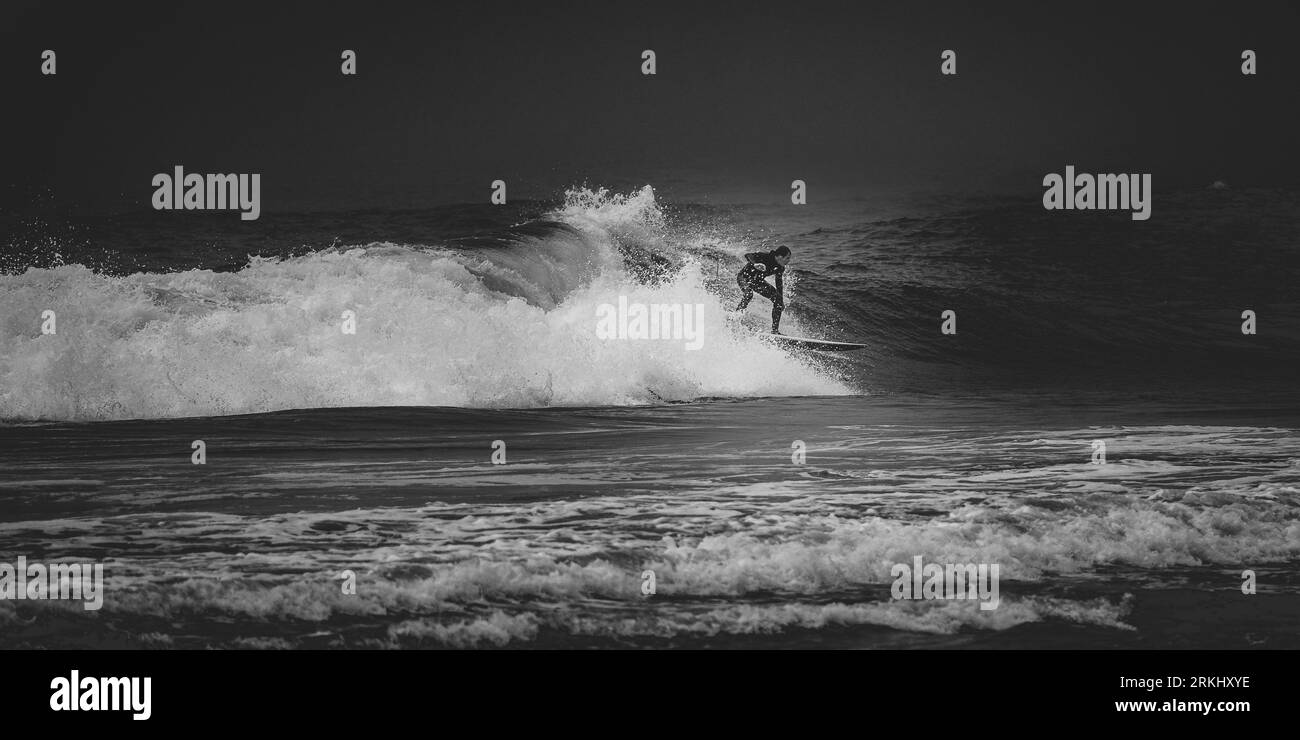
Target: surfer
{"points": [[752, 279]]}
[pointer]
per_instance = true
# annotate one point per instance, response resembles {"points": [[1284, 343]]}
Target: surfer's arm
{"points": [[752, 256]]}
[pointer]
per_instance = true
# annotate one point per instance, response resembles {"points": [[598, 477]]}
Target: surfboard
{"points": [[807, 343]]}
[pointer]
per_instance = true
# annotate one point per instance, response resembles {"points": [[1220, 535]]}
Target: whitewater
{"points": [[512, 325]]}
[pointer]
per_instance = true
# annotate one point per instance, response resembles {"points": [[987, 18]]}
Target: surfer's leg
{"points": [[766, 290], [746, 292]]}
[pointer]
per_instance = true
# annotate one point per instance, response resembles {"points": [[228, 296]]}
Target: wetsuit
{"points": [[751, 280]]}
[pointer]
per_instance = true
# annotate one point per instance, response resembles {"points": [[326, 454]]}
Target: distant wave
{"points": [[1030, 288]]}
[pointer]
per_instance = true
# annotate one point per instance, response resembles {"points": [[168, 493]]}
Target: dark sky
{"points": [[544, 95]]}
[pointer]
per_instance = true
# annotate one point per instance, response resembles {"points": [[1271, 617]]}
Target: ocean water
{"points": [[476, 327]]}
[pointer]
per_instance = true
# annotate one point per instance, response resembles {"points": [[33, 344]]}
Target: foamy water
{"points": [[550, 549]]}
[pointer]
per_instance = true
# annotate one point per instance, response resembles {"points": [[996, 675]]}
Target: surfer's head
{"points": [[782, 254]]}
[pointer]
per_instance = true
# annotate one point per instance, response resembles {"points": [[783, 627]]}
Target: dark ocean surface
{"points": [[372, 452]]}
